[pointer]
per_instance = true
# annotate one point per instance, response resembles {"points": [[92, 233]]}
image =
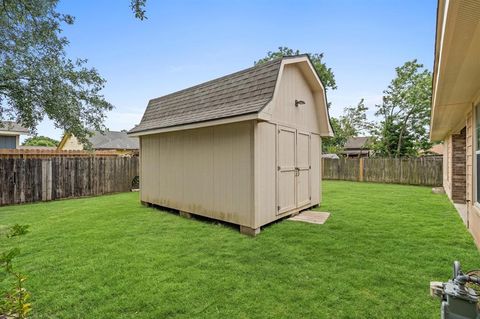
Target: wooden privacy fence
{"points": [[24, 180], [39, 153], [413, 171]]}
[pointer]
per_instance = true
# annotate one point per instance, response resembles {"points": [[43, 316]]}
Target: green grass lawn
{"points": [[110, 257]]}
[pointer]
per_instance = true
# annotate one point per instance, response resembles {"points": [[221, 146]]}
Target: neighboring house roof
{"points": [[113, 140], [240, 93], [331, 156], [359, 142], [12, 127], [108, 140]]}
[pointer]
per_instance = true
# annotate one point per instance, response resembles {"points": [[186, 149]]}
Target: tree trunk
{"points": [[399, 144]]}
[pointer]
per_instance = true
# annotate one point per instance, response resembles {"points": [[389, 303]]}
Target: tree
{"points": [[387, 145], [405, 112], [36, 77], [352, 123], [324, 73], [40, 141], [137, 7]]}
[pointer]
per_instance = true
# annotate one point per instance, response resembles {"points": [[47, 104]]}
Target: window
{"points": [[8, 142]]}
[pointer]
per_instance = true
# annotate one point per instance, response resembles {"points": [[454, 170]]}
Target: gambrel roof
{"points": [[243, 93], [240, 93]]}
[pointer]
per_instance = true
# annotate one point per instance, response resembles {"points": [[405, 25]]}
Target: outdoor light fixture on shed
{"points": [[299, 102]]}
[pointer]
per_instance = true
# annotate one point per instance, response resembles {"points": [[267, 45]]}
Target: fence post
{"points": [[360, 169]]}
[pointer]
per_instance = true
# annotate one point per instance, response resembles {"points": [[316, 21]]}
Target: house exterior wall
{"points": [[9, 141], [447, 167], [473, 210], [469, 157], [458, 167], [71, 143], [454, 166], [206, 171]]}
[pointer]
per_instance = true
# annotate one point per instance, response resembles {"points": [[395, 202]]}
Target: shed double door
{"points": [[293, 178]]}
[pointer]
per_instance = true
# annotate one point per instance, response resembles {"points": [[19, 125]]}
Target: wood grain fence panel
{"points": [[425, 171], [24, 180]]}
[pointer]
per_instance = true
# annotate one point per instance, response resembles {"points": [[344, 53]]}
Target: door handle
{"points": [[297, 171]]}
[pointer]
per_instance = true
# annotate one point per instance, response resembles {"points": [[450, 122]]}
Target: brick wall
{"points": [[447, 165], [458, 182]]}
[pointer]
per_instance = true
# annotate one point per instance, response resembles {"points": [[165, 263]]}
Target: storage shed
{"points": [[244, 148]]}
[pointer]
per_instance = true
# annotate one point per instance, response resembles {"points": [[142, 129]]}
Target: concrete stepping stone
{"points": [[310, 216]]}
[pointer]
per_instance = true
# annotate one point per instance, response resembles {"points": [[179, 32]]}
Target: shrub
{"points": [[14, 303]]}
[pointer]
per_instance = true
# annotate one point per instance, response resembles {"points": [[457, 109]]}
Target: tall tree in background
{"points": [[405, 112], [352, 123], [37, 79], [324, 73]]}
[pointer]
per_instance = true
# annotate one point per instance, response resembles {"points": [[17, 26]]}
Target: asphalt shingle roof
{"points": [[12, 127], [359, 142], [113, 140], [240, 93]]}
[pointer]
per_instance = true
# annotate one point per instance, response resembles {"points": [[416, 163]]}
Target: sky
{"points": [[187, 42]]}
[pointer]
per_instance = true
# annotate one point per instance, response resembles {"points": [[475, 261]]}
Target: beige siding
{"points": [[302, 119], [316, 175], [206, 171], [230, 172], [293, 86], [265, 173]]}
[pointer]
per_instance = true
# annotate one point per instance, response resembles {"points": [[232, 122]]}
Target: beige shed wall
{"points": [[316, 176], [266, 170], [266, 173], [229, 171], [206, 171], [304, 118], [293, 86]]}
